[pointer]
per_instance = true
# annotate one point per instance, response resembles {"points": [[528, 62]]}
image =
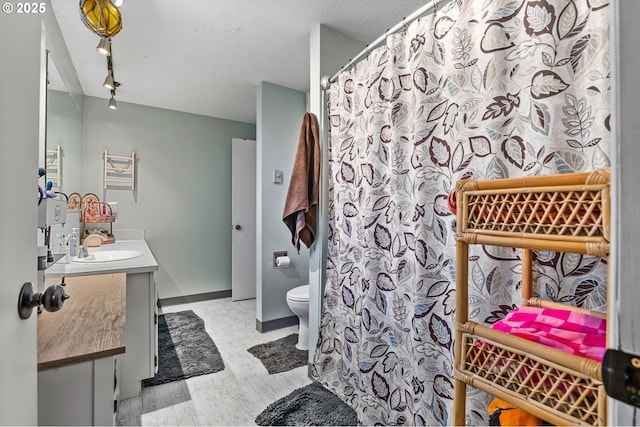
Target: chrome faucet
{"points": [[83, 252]]}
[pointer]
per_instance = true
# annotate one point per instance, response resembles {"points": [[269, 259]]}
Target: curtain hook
{"points": [[405, 26]]}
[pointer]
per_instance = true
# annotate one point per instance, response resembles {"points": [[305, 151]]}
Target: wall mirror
{"points": [[63, 134]]}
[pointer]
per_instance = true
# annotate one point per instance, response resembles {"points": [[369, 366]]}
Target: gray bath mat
{"points": [[185, 349], [311, 405], [280, 355]]}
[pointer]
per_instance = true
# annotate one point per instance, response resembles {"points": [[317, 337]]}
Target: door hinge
{"points": [[155, 360], [155, 319], [621, 376]]}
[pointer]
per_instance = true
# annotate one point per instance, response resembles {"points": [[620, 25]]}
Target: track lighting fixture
{"points": [[111, 83], [103, 18], [104, 46], [112, 102], [108, 82]]}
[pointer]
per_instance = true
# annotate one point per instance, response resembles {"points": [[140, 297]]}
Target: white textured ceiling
{"points": [[208, 56]]}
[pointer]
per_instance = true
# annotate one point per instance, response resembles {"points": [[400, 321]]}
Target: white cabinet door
{"points": [[138, 361], [79, 394]]}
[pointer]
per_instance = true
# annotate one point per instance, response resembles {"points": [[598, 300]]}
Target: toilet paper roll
{"points": [[283, 261]]}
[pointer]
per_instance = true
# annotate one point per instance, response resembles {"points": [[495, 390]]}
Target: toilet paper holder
{"points": [[276, 255]]}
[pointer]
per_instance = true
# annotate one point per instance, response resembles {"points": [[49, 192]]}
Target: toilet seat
{"points": [[300, 294]]}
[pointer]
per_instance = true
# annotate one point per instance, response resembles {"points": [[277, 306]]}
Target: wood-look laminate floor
{"points": [[232, 397]]}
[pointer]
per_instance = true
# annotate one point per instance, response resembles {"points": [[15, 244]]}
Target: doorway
{"points": [[243, 217]]}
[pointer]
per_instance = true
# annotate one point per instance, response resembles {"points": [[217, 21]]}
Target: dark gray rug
{"points": [[185, 349], [311, 405], [280, 355]]}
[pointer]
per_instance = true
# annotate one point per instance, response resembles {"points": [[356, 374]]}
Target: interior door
{"points": [[243, 217], [20, 86]]}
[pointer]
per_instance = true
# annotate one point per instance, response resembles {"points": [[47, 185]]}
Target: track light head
{"points": [[112, 103], [108, 82], [104, 46]]}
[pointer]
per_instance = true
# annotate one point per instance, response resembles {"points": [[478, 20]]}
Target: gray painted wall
{"points": [[183, 188], [64, 128], [329, 50], [279, 117]]}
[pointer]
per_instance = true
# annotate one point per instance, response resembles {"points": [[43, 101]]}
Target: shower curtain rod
{"points": [[427, 8]]}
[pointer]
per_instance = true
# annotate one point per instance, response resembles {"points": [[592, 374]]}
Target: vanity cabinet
{"points": [[139, 360]]}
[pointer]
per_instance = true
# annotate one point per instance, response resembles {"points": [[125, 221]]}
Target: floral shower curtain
{"points": [[481, 89]]}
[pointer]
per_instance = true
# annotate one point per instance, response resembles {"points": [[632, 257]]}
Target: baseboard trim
{"points": [[194, 298], [310, 372], [272, 325]]}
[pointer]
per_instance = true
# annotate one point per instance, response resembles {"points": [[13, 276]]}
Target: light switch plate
{"points": [[277, 176]]}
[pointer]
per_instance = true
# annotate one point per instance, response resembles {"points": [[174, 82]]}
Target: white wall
{"points": [[330, 50], [183, 188], [279, 117]]}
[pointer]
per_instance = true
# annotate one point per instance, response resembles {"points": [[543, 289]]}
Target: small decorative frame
{"points": [[54, 166], [119, 171]]}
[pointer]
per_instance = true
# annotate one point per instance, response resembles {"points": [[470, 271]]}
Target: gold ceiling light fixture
{"points": [[103, 18]]}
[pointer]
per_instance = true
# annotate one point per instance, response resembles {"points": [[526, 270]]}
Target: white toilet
{"points": [[298, 302]]}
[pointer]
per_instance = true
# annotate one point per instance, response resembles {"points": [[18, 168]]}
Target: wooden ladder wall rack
{"points": [[54, 167], [119, 171]]}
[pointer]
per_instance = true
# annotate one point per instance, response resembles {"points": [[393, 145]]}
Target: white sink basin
{"points": [[108, 256]]}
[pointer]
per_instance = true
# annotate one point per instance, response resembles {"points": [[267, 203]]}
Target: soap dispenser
{"points": [[74, 241]]}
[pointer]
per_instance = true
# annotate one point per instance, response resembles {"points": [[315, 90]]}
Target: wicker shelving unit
{"points": [[94, 214], [561, 213]]}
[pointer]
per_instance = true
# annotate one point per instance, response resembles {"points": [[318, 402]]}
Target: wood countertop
{"points": [[90, 325]]}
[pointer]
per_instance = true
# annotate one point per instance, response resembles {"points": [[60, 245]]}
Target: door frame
{"points": [[624, 334]]}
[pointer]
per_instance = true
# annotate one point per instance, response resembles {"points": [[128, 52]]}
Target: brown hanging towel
{"points": [[300, 208]]}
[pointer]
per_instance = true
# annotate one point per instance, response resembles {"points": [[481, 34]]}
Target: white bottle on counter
{"points": [[74, 241]]}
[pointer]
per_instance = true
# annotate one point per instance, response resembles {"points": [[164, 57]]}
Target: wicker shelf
{"points": [[566, 213], [98, 219], [105, 218]]}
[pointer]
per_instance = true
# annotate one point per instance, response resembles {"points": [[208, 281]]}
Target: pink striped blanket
{"points": [[576, 333]]}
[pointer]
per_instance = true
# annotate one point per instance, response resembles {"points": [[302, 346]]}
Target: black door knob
{"points": [[52, 299]]}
